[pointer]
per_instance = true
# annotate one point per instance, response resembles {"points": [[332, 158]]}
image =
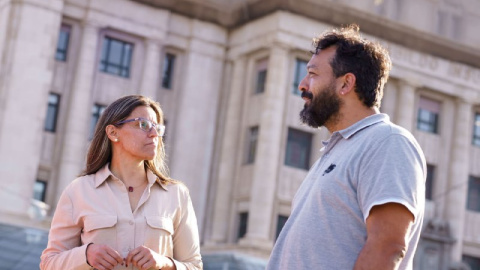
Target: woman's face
{"points": [[132, 141]]}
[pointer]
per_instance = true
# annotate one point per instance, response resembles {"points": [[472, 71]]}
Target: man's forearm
{"points": [[378, 256]]}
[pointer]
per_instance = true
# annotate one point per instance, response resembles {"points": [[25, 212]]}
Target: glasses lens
{"points": [[160, 129], [145, 125]]}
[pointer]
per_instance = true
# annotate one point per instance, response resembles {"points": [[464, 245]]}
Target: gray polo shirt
{"points": [[370, 163]]}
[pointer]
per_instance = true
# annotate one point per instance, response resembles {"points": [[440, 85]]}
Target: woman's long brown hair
{"points": [[100, 150]]}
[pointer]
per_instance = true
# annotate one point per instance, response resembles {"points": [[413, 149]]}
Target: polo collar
{"points": [[104, 173], [365, 122]]}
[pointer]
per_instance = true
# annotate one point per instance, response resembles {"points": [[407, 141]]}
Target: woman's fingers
{"points": [[103, 257]]}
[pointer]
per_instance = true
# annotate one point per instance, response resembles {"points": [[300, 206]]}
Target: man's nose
{"points": [[302, 86]]}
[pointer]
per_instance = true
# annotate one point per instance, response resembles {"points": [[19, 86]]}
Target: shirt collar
{"points": [[365, 122], [103, 174]]}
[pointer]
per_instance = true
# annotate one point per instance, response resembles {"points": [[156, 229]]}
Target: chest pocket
{"points": [[100, 229], [159, 234]]}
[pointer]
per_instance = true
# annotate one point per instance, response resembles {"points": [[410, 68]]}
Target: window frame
{"points": [[261, 74], [43, 194], [472, 261], [169, 63], [281, 220], [242, 225], [291, 139], [476, 129], [97, 111], [251, 144], [105, 62], [55, 107], [61, 53], [473, 196], [428, 115], [429, 182], [298, 75]]}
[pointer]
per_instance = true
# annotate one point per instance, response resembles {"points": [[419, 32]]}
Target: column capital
{"points": [[464, 101], [153, 42], [409, 83]]}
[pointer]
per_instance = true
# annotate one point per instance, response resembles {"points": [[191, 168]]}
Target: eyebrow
{"points": [[312, 66]]}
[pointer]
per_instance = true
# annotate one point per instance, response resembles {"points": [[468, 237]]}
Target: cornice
{"points": [[327, 12]]}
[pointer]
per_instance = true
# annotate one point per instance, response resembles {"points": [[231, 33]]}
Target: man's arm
{"points": [[388, 226]]}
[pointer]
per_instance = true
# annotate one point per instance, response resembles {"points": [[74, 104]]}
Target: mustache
{"points": [[306, 94]]}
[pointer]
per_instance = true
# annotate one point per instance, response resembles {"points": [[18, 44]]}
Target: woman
{"points": [[124, 212]]}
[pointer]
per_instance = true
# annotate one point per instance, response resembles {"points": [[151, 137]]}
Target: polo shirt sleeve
{"points": [[392, 171], [64, 249]]}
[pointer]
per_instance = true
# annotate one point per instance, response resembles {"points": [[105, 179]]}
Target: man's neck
{"points": [[349, 116]]}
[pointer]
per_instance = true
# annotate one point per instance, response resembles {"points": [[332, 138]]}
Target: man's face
{"points": [[319, 90]]}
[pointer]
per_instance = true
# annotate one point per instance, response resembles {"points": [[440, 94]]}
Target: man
{"points": [[361, 205]]}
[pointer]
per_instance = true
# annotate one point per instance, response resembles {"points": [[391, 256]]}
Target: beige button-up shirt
{"points": [[96, 209]]}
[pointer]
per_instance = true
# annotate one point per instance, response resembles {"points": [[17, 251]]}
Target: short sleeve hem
{"points": [[403, 202]]}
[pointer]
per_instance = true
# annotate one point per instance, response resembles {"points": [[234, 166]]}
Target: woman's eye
{"points": [[144, 125]]}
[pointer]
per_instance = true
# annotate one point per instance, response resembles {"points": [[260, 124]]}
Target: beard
{"points": [[323, 107]]}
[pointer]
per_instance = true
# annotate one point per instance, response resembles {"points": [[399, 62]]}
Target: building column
{"points": [[151, 70], [191, 159], [455, 206], [406, 110], [228, 158], [27, 61], [269, 148], [74, 145]]}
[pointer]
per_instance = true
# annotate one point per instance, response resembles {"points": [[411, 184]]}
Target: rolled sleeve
{"points": [[186, 244], [64, 250]]}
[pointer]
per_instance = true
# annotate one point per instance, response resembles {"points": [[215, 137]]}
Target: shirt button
{"points": [[130, 222]]}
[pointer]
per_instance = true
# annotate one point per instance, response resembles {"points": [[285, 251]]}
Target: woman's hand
{"points": [[103, 257], [144, 258]]}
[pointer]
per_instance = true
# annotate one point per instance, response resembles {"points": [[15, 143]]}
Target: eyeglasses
{"points": [[145, 125]]}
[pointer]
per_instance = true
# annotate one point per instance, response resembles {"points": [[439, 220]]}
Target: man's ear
{"points": [[112, 133], [348, 83]]}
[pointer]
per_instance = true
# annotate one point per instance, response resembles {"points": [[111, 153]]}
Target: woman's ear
{"points": [[112, 133]]}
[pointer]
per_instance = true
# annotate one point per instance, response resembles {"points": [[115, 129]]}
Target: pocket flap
{"points": [[99, 222], [159, 222]]}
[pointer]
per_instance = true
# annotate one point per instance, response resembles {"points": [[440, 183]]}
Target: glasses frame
{"points": [[160, 130]]}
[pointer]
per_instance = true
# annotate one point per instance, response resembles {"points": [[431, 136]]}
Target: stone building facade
{"points": [[225, 73]]}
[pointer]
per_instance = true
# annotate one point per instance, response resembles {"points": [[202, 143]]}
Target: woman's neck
{"points": [[130, 173]]}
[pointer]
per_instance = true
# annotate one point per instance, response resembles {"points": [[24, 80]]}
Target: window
{"points": [[251, 145], [300, 73], [39, 190], [429, 182], [116, 57], [449, 21], [473, 199], [62, 43], [168, 67], [473, 262], [281, 220], [388, 8], [97, 110], [428, 114], [242, 225], [261, 73], [52, 112], [476, 130], [299, 144]]}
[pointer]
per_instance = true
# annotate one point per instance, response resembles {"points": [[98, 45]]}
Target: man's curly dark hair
{"points": [[367, 60]]}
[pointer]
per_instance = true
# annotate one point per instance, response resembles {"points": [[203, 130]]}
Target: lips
{"points": [[151, 144], [307, 96]]}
